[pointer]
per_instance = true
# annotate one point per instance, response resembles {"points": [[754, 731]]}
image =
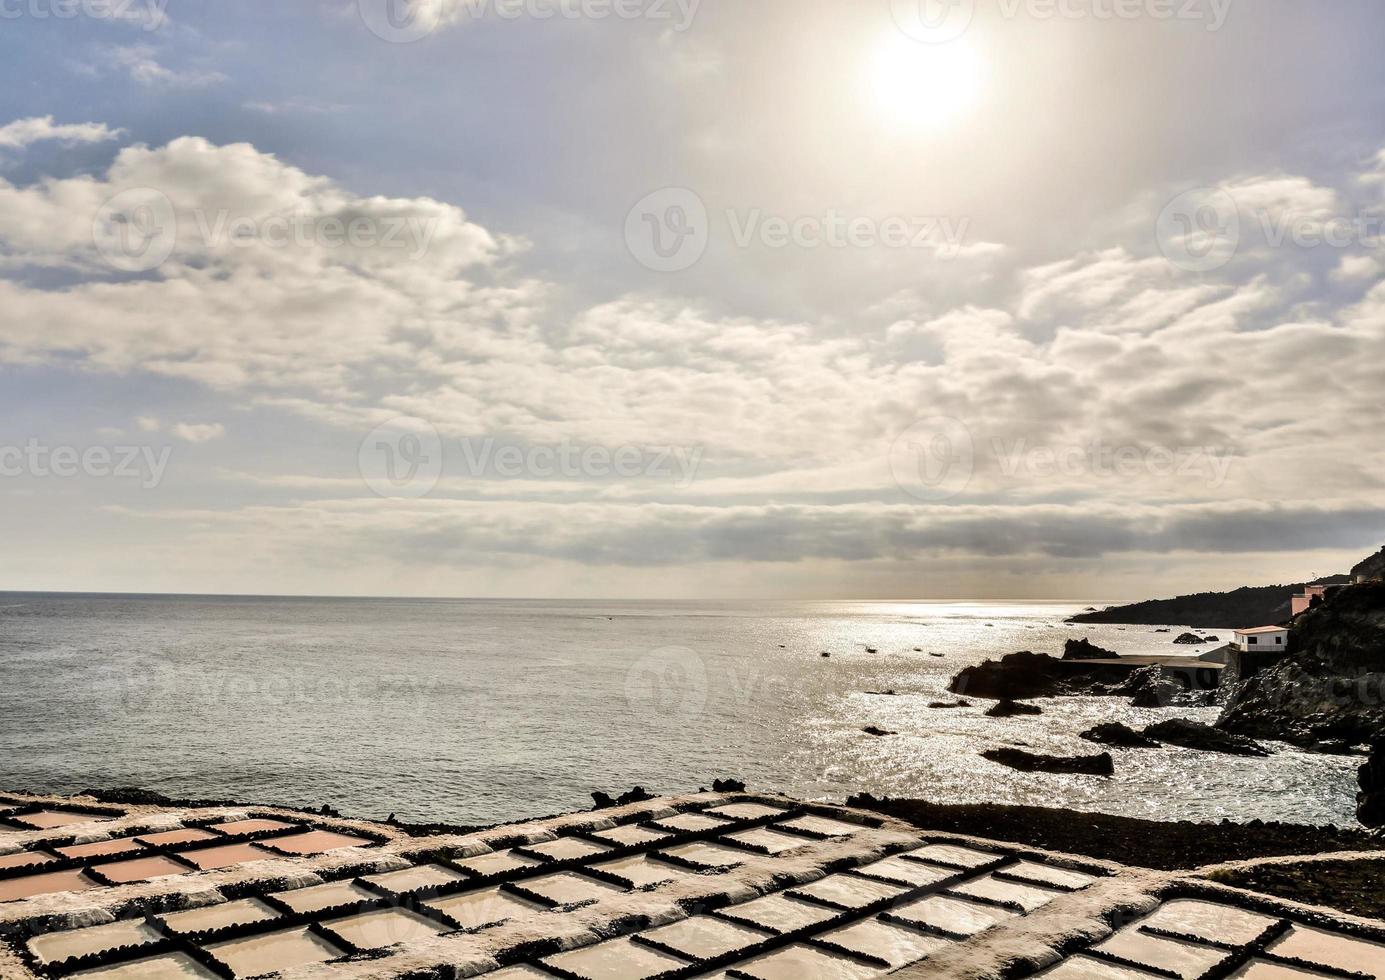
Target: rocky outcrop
{"points": [[878, 732], [1370, 570], [1013, 709], [1024, 676], [1084, 649], [1330, 686], [1091, 765], [1121, 736], [1151, 687], [1195, 735], [1190, 639], [1370, 802]]}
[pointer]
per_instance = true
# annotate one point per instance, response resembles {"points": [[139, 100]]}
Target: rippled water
{"points": [[479, 711]]}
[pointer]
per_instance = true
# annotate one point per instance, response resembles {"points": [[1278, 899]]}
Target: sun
{"points": [[923, 86]]}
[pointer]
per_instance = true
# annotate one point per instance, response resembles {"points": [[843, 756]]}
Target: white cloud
{"points": [[195, 432], [1109, 347], [140, 63], [37, 129], [1356, 268]]}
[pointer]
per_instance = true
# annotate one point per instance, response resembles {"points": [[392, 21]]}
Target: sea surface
{"points": [[485, 711]]}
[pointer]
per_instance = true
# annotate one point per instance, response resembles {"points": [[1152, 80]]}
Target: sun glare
{"points": [[916, 85]]}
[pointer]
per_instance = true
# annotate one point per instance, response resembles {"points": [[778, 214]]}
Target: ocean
{"points": [[472, 712]]}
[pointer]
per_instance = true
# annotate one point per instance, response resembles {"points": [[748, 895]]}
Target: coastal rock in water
{"points": [[1195, 735], [878, 732], [1190, 639], [1370, 802], [1330, 686], [1018, 676], [1012, 709], [1084, 649], [728, 786], [1150, 687], [1025, 676], [1119, 735], [1091, 765], [949, 704]]}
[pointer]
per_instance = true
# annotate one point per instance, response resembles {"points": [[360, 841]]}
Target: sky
{"points": [[1049, 299]]}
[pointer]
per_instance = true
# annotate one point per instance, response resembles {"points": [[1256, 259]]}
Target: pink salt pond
{"points": [[253, 826], [48, 819], [104, 848], [410, 879], [915, 874], [172, 838], [495, 863], [314, 842], [570, 889], [706, 937], [567, 849], [222, 916], [895, 945], [631, 835], [54, 946], [615, 959], [274, 952], [223, 857], [797, 962], [315, 898], [28, 886], [484, 907], [848, 891], [385, 927], [779, 913], [141, 869], [25, 859], [170, 966]]}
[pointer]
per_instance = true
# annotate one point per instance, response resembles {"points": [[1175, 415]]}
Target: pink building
{"points": [[1300, 604]]}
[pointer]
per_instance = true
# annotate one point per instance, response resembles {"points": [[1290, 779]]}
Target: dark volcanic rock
{"points": [[1372, 569], [1092, 765], [1084, 649], [1012, 709], [878, 732], [1121, 736], [1150, 687], [1025, 676], [1331, 684], [1190, 639], [1195, 735], [949, 704], [728, 786], [1370, 802]]}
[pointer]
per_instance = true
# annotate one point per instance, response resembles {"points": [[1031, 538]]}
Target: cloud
{"points": [[192, 432], [138, 61], [37, 129], [265, 303], [1356, 268]]}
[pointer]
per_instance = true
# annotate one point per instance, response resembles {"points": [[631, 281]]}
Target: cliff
{"points": [[1331, 685], [1243, 608]]}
